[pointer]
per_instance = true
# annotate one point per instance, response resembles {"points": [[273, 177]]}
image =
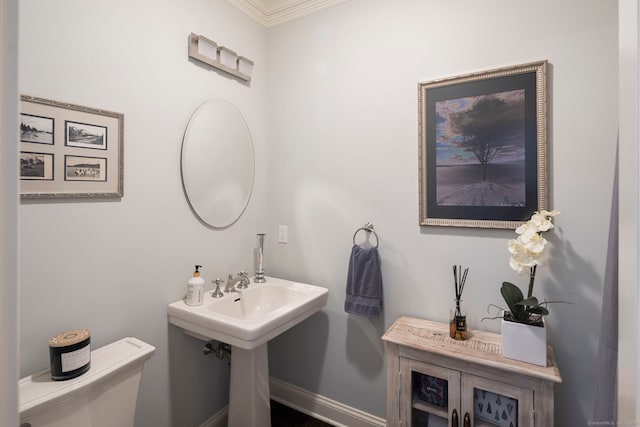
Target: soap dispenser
{"points": [[195, 288]]}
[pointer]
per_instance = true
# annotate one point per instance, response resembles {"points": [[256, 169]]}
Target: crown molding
{"points": [[274, 12]]}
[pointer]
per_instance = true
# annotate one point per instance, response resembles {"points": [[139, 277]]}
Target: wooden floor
{"points": [[283, 416]]}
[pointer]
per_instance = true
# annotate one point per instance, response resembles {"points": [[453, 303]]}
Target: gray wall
{"points": [[332, 111], [344, 109], [9, 359], [112, 266]]}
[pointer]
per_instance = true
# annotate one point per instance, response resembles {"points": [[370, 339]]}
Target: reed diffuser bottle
{"points": [[457, 315], [458, 321]]}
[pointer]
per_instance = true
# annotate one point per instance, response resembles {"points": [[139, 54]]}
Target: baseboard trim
{"points": [[320, 407], [219, 419]]}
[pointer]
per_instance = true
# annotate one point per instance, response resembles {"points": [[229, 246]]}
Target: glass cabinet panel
{"points": [[493, 409], [434, 393], [495, 404], [430, 399]]}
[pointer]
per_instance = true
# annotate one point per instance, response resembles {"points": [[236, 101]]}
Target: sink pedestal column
{"points": [[249, 404]]}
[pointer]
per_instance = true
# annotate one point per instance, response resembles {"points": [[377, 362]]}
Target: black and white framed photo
{"points": [[83, 158], [85, 135], [482, 139], [36, 166], [81, 168], [36, 129]]}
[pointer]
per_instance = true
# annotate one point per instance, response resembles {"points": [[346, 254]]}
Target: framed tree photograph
{"points": [[482, 147], [70, 151]]}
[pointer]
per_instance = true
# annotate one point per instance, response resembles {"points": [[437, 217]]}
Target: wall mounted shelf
{"points": [[209, 52]]}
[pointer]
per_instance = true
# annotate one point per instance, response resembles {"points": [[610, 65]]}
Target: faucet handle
{"points": [[217, 293], [244, 280]]}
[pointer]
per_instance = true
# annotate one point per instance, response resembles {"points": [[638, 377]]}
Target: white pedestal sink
{"points": [[247, 320], [249, 395]]}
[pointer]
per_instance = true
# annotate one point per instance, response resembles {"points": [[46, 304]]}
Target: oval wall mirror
{"points": [[217, 163]]}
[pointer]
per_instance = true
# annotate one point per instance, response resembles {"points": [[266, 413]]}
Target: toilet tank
{"points": [[105, 396]]}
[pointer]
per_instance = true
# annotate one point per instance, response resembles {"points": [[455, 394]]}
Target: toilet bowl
{"points": [[105, 396]]}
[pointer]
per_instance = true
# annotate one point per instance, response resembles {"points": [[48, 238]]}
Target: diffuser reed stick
{"points": [[459, 279]]}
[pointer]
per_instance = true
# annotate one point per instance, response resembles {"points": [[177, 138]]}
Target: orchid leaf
{"points": [[533, 301], [512, 296], [523, 310], [522, 317], [538, 309]]}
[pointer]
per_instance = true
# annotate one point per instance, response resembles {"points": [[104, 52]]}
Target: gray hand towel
{"points": [[364, 283]]}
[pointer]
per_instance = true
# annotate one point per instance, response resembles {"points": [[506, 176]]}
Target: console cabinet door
{"points": [[433, 396], [429, 395], [490, 403]]}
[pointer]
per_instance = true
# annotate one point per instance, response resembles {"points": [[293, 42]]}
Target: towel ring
{"points": [[368, 227]]}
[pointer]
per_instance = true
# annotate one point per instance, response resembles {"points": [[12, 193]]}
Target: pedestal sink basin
{"points": [[247, 320], [250, 317]]}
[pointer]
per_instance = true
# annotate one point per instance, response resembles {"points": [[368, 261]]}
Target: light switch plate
{"points": [[283, 234]]}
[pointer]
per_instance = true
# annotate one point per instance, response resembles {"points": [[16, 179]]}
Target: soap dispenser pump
{"points": [[195, 288]]}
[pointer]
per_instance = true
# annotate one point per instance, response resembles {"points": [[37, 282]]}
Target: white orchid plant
{"points": [[527, 253]]}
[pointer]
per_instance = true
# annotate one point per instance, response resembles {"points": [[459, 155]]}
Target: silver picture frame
{"points": [[73, 133], [483, 147]]}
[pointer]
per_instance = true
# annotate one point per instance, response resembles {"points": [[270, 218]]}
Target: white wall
{"points": [[343, 150], [629, 321], [333, 115], [112, 266]]}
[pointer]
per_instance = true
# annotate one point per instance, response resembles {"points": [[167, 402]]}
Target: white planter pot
{"points": [[524, 342]]}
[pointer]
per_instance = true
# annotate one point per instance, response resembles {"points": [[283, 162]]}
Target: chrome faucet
{"points": [[242, 277]]}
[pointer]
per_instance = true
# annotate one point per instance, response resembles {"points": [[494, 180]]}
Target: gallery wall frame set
{"points": [[483, 147], [69, 151]]}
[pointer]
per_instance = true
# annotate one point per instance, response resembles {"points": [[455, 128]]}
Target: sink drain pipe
{"points": [[219, 349]]}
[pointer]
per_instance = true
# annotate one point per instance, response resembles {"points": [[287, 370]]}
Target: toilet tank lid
{"points": [[111, 359]]}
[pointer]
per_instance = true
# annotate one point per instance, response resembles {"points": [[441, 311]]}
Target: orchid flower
{"points": [[527, 250]]}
